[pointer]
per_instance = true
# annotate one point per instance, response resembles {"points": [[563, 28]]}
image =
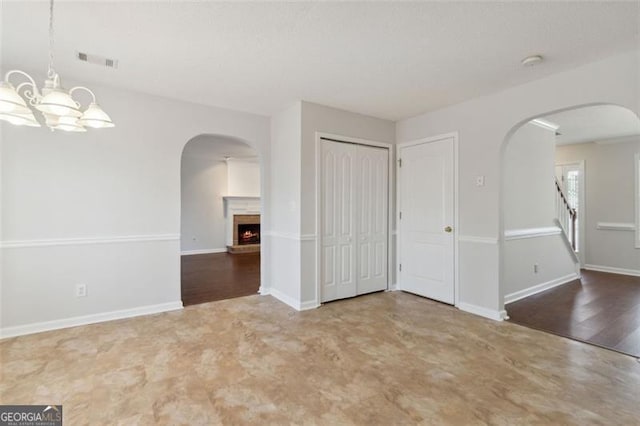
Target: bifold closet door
{"points": [[338, 216], [372, 207], [354, 196]]}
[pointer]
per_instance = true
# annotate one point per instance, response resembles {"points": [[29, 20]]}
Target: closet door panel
{"points": [[372, 212], [338, 256]]}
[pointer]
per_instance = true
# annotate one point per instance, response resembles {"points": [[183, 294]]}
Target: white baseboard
{"points": [[521, 294], [203, 251], [312, 304], [284, 298], [612, 270], [295, 304], [483, 312], [39, 327]]}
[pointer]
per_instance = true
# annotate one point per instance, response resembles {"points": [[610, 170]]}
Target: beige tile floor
{"points": [[386, 358]]}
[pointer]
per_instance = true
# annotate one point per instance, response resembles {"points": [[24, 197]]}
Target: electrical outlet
{"points": [[81, 290], [479, 180], [535, 268]]}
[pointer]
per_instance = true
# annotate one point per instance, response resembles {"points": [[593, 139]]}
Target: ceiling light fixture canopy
{"points": [[59, 109]]}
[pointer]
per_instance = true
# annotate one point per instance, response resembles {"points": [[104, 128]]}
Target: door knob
{"points": [[448, 229]]}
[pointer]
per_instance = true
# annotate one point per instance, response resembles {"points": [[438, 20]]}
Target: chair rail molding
{"points": [[76, 241], [613, 226], [517, 234]]}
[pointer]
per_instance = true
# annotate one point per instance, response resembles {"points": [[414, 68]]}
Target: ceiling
{"points": [[386, 59], [217, 148], [594, 123]]}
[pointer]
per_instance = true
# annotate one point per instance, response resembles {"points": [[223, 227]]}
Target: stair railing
{"points": [[567, 215]]}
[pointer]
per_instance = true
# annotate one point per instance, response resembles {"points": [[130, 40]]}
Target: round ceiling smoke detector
{"points": [[532, 60]]}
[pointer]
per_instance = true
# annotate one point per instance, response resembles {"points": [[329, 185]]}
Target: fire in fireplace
{"points": [[248, 234]]}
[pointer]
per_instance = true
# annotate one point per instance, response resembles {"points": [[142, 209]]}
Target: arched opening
{"points": [[220, 212], [570, 202]]}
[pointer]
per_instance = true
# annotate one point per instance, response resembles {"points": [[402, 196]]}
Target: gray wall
{"points": [[529, 203], [610, 187], [483, 125], [203, 184]]}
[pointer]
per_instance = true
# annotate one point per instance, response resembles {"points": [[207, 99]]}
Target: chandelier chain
{"points": [[51, 71]]}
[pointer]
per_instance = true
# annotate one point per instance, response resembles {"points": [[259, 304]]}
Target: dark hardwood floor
{"points": [[602, 309], [209, 277]]}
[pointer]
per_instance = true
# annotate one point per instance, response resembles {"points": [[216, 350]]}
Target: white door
{"points": [[372, 210], [354, 197], [338, 213], [426, 205]]}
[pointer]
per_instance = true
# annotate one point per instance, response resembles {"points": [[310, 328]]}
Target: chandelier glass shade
{"points": [[59, 110]]}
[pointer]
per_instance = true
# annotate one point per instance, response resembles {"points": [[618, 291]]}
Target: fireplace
{"points": [[246, 233]]}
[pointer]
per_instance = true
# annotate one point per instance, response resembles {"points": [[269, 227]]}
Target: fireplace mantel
{"points": [[237, 205]]}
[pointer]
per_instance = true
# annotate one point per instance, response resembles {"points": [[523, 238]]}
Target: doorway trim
{"points": [[582, 200], [390, 205], [456, 204]]}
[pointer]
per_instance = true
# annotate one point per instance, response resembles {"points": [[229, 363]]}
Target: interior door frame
{"points": [[390, 205], [456, 222], [582, 199]]}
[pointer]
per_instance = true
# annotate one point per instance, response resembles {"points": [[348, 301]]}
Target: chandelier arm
{"points": [[86, 89], [32, 95]]}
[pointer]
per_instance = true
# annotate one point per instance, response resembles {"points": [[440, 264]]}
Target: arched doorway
{"points": [[570, 258], [220, 219]]}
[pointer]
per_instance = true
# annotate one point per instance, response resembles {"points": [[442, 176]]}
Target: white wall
{"points": [[243, 177], [529, 191], [529, 205], [118, 191], [283, 239], [483, 125], [319, 118], [203, 184], [610, 189]]}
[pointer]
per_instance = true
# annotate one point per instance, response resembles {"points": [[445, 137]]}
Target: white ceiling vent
{"points": [[97, 60]]}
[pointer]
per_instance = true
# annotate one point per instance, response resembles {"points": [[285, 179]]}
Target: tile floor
{"points": [[386, 358]]}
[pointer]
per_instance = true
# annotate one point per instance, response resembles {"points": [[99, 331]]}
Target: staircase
{"points": [[566, 218]]}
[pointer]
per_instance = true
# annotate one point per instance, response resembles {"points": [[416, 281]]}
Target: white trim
{"points": [[521, 294], [479, 240], [349, 139], [203, 251], [88, 240], [290, 301], [240, 198], [611, 226], [637, 187], [284, 298], [456, 204], [483, 312], [39, 327], [311, 304], [318, 222], [547, 125], [518, 234], [613, 270], [618, 139], [290, 235]]}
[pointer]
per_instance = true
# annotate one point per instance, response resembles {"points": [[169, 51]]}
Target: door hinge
{"points": [[401, 267], [399, 162], [400, 215]]}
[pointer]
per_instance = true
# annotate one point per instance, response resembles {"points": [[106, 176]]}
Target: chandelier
{"points": [[59, 109]]}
